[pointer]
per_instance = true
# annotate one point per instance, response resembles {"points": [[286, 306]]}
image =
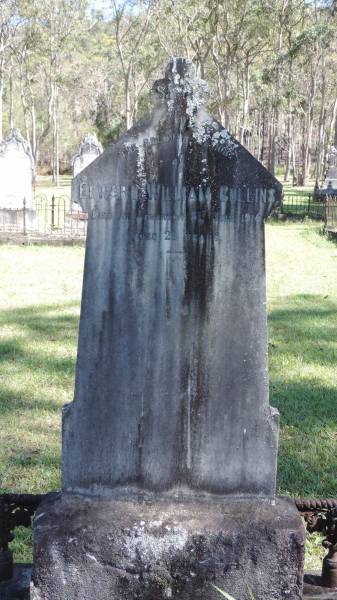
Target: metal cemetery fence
{"points": [[331, 215], [303, 206], [46, 217], [57, 217]]}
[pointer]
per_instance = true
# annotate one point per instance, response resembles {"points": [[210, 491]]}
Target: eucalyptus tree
{"points": [[9, 24], [59, 22], [131, 24]]}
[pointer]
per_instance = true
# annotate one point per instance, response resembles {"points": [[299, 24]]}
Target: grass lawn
{"points": [[39, 311], [46, 187]]}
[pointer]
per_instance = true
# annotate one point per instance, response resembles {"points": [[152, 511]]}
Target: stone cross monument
{"points": [[170, 446]]}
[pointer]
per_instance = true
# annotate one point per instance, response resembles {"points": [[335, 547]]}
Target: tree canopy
{"points": [[72, 66]]}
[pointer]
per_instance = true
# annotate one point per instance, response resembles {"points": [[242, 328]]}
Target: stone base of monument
{"points": [[154, 550]]}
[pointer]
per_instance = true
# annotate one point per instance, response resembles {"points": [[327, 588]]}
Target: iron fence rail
{"points": [[331, 215], [58, 217], [303, 206], [54, 216]]}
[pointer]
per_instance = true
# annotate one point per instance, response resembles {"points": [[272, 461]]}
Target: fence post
{"points": [[24, 217], [53, 212], [64, 215]]}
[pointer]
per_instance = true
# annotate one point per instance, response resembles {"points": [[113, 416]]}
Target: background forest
{"points": [[72, 66]]}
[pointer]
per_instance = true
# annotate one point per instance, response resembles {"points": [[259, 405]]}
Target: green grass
{"points": [[39, 311], [304, 190], [46, 187], [302, 305]]}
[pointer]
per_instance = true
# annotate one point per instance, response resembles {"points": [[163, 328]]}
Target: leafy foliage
{"points": [[66, 68]]}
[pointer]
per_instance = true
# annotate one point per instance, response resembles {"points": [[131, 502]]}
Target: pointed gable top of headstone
{"points": [[181, 123], [14, 142]]}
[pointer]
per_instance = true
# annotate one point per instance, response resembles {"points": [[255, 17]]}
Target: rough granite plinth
{"points": [[126, 549]]}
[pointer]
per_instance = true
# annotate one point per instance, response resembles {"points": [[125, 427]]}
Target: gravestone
{"points": [[170, 446], [329, 187], [89, 150], [331, 175], [15, 172]]}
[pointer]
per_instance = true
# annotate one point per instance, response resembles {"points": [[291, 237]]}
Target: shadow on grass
{"points": [[35, 319], [31, 370], [306, 406], [12, 400], [307, 463], [24, 353], [303, 386], [306, 327]]}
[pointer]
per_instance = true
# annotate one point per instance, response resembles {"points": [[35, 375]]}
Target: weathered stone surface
{"points": [[172, 377], [121, 550], [15, 173]]}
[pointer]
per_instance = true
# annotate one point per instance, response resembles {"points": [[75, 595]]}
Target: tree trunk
{"points": [[271, 141], [293, 155], [11, 99], [2, 65], [55, 158], [307, 139], [331, 135], [290, 143], [320, 137], [258, 147], [128, 115], [34, 140], [245, 106], [25, 110], [57, 142]]}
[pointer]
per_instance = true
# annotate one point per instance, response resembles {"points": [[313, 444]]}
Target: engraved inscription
{"points": [[200, 208]]}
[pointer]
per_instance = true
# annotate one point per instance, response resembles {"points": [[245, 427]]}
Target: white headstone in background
{"points": [[88, 151], [15, 172], [331, 175]]}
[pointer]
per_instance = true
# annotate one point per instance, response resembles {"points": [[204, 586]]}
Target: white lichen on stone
{"points": [[149, 544], [223, 142]]}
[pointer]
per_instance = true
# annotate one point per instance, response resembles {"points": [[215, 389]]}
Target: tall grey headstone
{"points": [[171, 423], [172, 368], [15, 172]]}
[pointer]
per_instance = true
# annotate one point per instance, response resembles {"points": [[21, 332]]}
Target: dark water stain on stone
{"points": [[172, 387]]}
